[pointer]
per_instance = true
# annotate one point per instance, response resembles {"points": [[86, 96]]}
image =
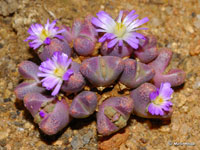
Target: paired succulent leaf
{"points": [[29, 71], [83, 105], [51, 114], [135, 73], [102, 71], [141, 99], [175, 77], [113, 114]]}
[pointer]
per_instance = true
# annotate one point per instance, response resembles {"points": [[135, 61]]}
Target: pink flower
{"points": [[42, 35], [160, 100], [121, 30], [54, 71]]}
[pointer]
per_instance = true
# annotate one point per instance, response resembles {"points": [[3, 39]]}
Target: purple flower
{"points": [[160, 100], [54, 71], [42, 35], [42, 114], [123, 29]]}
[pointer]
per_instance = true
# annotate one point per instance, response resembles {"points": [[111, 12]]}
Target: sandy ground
{"points": [[175, 23]]}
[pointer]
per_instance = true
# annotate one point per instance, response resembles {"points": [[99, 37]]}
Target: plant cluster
{"points": [[124, 57]]}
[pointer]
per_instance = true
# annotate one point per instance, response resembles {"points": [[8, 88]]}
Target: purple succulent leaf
{"points": [[147, 50], [175, 77], [33, 102], [119, 51], [28, 70], [76, 28], [93, 31], [55, 45], [88, 30], [84, 46], [75, 83], [102, 71], [142, 99], [51, 114], [75, 67], [57, 119], [83, 105], [113, 114], [67, 34], [162, 61], [27, 87], [85, 39], [135, 73]]}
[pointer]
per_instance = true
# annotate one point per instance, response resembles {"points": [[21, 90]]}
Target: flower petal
{"points": [[112, 43], [166, 91], [54, 71], [57, 88], [153, 95], [68, 74]]}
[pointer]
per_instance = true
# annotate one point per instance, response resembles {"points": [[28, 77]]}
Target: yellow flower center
{"points": [[44, 34], [158, 101], [59, 72], [120, 30]]}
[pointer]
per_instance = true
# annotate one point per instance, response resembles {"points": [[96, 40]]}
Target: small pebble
{"points": [[143, 140], [3, 142], [28, 125], [13, 115], [102, 7], [193, 14], [20, 129], [87, 137], [196, 84], [165, 129], [3, 134], [185, 108], [1, 45], [6, 100], [58, 143], [189, 28], [198, 16], [197, 23], [76, 142], [18, 124]]}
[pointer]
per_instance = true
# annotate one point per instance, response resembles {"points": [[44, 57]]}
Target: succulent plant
{"points": [[84, 37], [123, 51], [83, 105], [56, 45], [141, 99], [120, 37], [69, 75], [102, 71], [175, 77], [29, 71], [147, 50], [46, 40], [51, 114], [113, 114], [76, 82], [135, 73], [67, 33]]}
